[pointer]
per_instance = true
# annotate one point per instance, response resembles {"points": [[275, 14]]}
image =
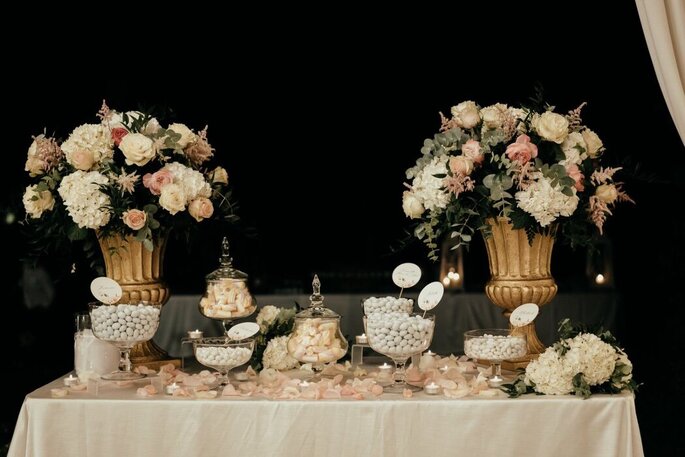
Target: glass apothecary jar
{"points": [[227, 296], [316, 336]]}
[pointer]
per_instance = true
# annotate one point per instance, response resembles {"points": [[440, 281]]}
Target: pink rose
{"points": [[461, 165], [82, 159], [118, 134], [157, 180], [471, 149], [523, 150], [574, 172], [201, 208], [134, 219]]}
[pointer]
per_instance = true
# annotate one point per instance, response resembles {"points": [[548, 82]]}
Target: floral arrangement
{"points": [[531, 165], [127, 175], [275, 326], [582, 362]]}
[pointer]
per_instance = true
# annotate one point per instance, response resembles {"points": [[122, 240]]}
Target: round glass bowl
{"points": [[124, 325], [399, 336], [494, 345], [387, 305], [223, 354]]}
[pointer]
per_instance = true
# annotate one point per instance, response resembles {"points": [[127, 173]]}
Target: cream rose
{"points": [[82, 159], [466, 114], [220, 175], [201, 208], [187, 135], [137, 148], [172, 198], [412, 205], [134, 219], [461, 165], [607, 193], [471, 150], [551, 126], [594, 144], [36, 203], [34, 165], [493, 116], [572, 148]]}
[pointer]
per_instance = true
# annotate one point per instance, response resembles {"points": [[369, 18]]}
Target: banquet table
{"points": [[116, 422]]}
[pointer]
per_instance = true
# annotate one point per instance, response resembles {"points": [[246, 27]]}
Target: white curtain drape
{"points": [[663, 22]]}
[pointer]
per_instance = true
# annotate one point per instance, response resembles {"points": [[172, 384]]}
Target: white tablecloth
{"points": [[456, 314], [116, 423]]}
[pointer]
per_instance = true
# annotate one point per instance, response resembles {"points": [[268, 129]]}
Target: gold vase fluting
{"points": [[139, 272], [520, 273]]}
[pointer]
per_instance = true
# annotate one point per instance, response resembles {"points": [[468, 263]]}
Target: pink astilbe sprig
{"points": [[602, 175], [105, 113], [125, 181], [622, 196], [598, 212], [48, 153], [575, 123], [200, 151], [458, 183], [447, 124], [523, 174], [509, 123]]}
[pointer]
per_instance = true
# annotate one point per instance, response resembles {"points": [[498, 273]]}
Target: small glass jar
{"points": [[92, 357], [227, 297], [316, 336]]}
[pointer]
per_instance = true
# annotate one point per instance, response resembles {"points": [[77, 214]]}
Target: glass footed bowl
{"points": [[124, 325], [387, 305], [399, 336], [223, 354], [494, 345]]}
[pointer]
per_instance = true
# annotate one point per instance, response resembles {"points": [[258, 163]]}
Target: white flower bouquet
{"points": [[275, 326], [531, 165], [581, 362]]}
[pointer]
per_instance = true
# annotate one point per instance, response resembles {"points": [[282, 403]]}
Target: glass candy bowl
{"points": [[227, 297], [399, 336], [386, 305], [316, 336], [494, 345], [222, 354], [124, 325]]}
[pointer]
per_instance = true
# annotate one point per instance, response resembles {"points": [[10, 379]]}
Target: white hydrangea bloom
{"points": [[191, 181], [550, 374], [94, 138], [429, 189], [84, 200], [276, 355], [546, 202], [589, 355], [267, 315]]}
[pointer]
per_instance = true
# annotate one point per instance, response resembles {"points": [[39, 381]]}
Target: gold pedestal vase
{"points": [[520, 273], [139, 272]]}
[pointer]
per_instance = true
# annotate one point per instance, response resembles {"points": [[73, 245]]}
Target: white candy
{"points": [[388, 305], [219, 356], [316, 341], [114, 323], [398, 335], [495, 347]]}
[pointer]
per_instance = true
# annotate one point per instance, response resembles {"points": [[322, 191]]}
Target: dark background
{"points": [[316, 128]]}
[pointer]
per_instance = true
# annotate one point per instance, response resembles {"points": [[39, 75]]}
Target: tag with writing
{"points": [[242, 331], [406, 275], [524, 314], [106, 290], [431, 295]]}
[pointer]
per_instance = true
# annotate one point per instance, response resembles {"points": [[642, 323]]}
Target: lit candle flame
{"points": [[599, 279]]}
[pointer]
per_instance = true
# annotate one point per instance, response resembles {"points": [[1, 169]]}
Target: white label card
{"points": [[431, 295], [406, 275], [241, 331], [106, 290], [524, 314]]}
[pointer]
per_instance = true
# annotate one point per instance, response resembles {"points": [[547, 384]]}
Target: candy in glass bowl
{"points": [[399, 336], [227, 297], [316, 336], [386, 305], [494, 345], [124, 325], [223, 354]]}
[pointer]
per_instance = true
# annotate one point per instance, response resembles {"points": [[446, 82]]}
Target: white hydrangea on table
{"points": [[275, 326]]}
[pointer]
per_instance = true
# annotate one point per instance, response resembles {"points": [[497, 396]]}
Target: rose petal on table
{"points": [[78, 387], [250, 372], [205, 394], [377, 390], [413, 375], [358, 396], [229, 391], [181, 392], [331, 394], [58, 393], [168, 368], [347, 391], [407, 393], [446, 384], [289, 393], [456, 393], [490, 393], [146, 391], [241, 376], [192, 381]]}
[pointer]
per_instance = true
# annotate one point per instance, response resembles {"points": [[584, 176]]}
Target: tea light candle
{"points": [[444, 368], [429, 353], [361, 339], [385, 368], [71, 380], [304, 385], [432, 388], [195, 334], [171, 388]]}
